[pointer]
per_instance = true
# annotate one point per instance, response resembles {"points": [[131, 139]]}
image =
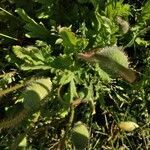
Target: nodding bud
{"points": [[113, 61]]}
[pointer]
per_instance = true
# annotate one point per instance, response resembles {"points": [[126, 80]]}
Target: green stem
{"points": [[16, 87], [68, 127], [11, 122], [9, 37], [70, 120], [11, 89], [6, 12]]}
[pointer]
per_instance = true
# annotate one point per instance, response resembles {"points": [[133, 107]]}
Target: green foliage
{"points": [[69, 61], [105, 31], [145, 14]]}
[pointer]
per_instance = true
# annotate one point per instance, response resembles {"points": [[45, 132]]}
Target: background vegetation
{"points": [[52, 96]]}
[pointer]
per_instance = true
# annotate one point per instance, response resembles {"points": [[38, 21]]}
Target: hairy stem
{"points": [[11, 122]]}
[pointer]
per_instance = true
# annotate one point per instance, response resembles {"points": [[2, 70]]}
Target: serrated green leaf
{"points": [[35, 30], [142, 42], [66, 78], [30, 55], [122, 10], [104, 31], [33, 58], [69, 39]]}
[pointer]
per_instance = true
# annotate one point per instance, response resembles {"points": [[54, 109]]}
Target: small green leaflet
{"points": [[35, 30], [68, 37]]}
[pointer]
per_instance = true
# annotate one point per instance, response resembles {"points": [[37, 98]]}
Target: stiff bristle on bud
{"points": [[123, 24]]}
